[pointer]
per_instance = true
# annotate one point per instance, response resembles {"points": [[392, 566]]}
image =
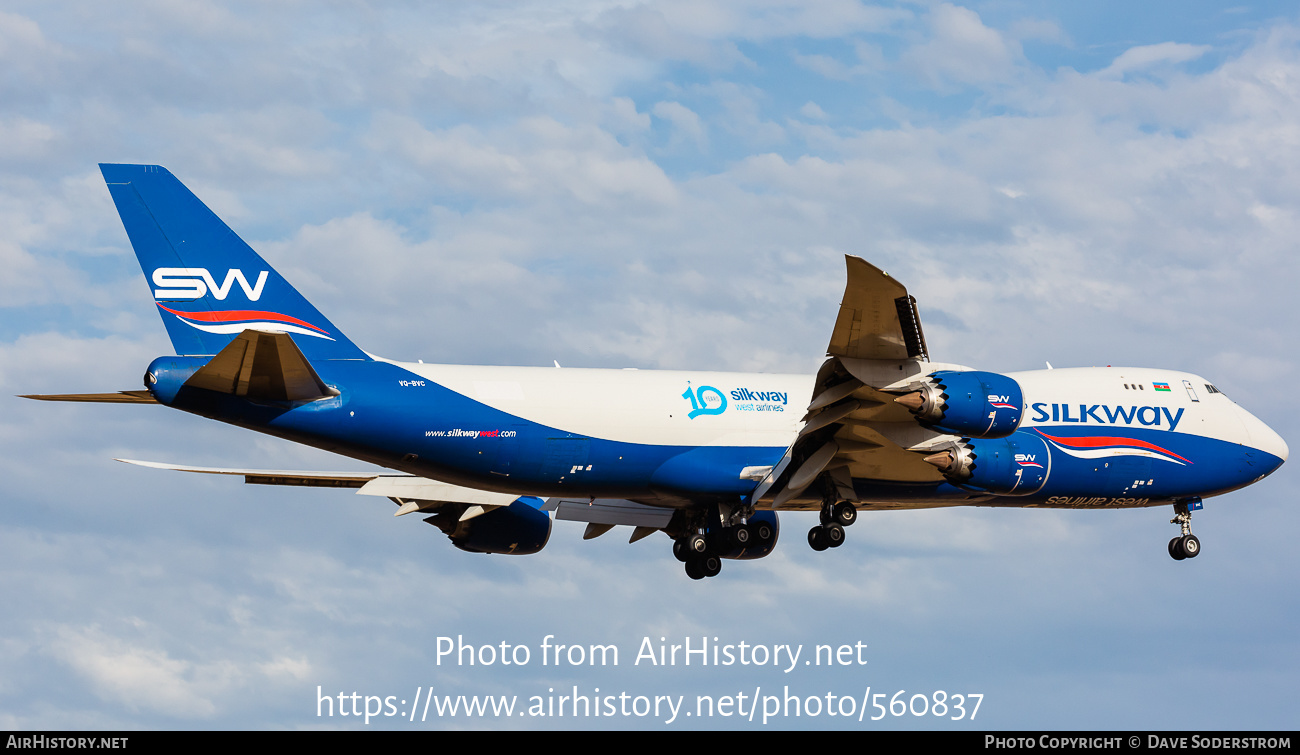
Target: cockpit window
{"points": [[1211, 389]]}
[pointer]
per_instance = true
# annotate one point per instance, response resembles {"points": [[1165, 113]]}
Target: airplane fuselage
{"points": [[1095, 437]]}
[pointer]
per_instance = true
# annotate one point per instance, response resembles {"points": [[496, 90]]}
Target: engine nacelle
{"points": [[518, 529], [1017, 465], [974, 404]]}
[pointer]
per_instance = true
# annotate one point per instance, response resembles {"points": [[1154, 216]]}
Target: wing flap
{"points": [[431, 491], [610, 511]]}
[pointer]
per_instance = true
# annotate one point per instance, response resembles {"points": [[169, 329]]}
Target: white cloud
{"points": [[1147, 56], [21, 138], [626, 117], [743, 115], [1039, 30], [962, 49], [535, 156], [27, 55], [870, 60], [813, 111], [142, 677], [705, 31], [824, 65], [686, 124]]}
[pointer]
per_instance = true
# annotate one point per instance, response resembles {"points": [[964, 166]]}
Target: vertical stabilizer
{"points": [[210, 286]]}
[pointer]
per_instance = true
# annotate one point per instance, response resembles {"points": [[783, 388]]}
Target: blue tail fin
{"points": [[208, 284]]}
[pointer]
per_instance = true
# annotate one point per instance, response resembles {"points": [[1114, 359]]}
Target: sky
{"points": [[650, 185]]}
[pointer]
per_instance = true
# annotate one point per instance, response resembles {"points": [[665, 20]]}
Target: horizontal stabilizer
{"points": [[262, 366], [121, 397]]}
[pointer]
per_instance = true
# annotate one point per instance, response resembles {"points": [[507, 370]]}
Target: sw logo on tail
{"points": [[488, 454], [189, 283]]}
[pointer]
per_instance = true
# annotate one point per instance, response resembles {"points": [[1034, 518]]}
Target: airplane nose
{"points": [[1273, 444], [1263, 438]]}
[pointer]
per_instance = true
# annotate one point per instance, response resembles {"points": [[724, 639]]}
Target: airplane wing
{"points": [[453, 509], [271, 476], [855, 428], [445, 500], [410, 493]]}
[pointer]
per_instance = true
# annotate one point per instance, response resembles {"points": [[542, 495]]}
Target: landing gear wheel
{"points": [[1187, 546], [680, 552], [742, 535], [844, 514], [817, 539], [697, 544], [834, 535], [763, 532], [711, 566], [695, 569]]}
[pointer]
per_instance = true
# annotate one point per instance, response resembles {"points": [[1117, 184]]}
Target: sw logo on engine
{"points": [[190, 283]]}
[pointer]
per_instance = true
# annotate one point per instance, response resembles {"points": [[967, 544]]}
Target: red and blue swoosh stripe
{"points": [[238, 320], [1098, 446]]}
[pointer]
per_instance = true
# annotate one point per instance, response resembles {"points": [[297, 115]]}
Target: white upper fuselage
{"points": [[639, 406], [1126, 396], [653, 407]]}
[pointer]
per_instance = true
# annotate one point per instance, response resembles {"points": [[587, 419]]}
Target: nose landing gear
{"points": [[1188, 545]]}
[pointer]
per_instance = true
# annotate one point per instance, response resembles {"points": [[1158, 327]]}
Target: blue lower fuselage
{"points": [[390, 416]]}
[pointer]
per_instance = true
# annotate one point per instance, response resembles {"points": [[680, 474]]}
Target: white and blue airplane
{"points": [[708, 458]]}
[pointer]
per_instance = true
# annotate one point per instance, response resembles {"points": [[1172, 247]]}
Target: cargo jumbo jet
{"points": [[487, 454]]}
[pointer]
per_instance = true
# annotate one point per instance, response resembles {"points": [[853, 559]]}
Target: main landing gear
{"points": [[830, 533], [699, 564], [1186, 546], [702, 553]]}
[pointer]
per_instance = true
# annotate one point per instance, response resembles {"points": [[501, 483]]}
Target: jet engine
{"points": [[1017, 465], [975, 404], [518, 529]]}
